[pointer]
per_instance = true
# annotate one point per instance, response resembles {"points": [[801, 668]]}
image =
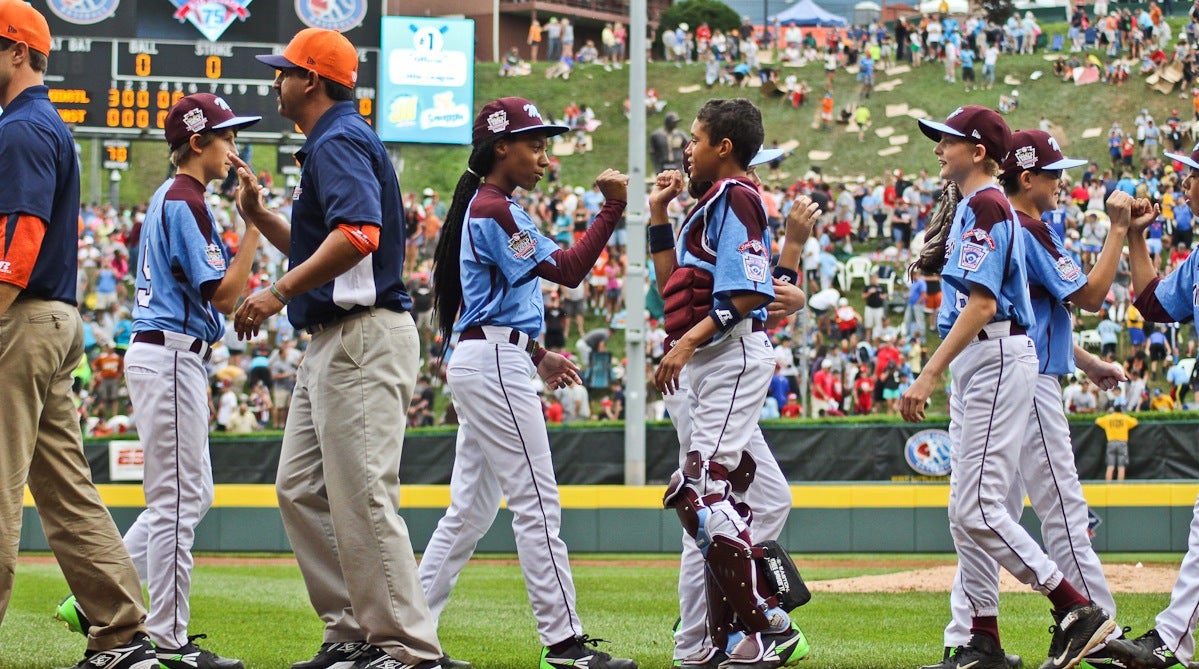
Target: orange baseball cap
{"points": [[326, 52], [20, 22]]}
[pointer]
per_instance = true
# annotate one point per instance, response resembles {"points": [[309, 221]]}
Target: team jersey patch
{"points": [[522, 245], [757, 268], [216, 259], [972, 256], [978, 236], [1066, 269], [754, 245]]}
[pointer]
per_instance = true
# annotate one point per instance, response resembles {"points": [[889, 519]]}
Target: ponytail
{"points": [[936, 233], [447, 284]]}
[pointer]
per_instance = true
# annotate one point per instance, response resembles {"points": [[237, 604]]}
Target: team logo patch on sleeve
{"points": [[978, 237], [1067, 269], [972, 256], [522, 245], [754, 245], [216, 259], [757, 268]]}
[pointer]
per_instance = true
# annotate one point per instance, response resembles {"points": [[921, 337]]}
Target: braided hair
{"points": [[447, 284]]}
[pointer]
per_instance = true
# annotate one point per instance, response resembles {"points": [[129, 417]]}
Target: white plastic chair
{"points": [[1090, 339], [857, 267]]}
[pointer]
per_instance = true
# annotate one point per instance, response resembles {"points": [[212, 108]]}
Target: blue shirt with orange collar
{"points": [[39, 203]]}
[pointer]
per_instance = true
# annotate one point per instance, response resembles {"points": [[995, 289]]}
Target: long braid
{"points": [[936, 233], [447, 283]]}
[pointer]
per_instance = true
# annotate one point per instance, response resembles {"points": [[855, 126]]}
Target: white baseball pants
{"points": [[503, 450]]}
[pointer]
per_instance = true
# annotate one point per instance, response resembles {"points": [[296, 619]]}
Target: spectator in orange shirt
{"points": [[109, 368]]}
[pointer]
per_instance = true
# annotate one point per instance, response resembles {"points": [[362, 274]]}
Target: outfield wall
{"points": [[883, 517], [852, 489]]}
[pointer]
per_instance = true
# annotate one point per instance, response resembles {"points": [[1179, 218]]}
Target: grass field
{"points": [[261, 614]]}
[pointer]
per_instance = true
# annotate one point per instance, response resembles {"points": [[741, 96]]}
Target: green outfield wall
{"points": [[832, 517], [857, 487]]}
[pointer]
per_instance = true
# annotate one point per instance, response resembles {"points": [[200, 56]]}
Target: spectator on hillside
{"points": [[792, 409], [1159, 350], [561, 69], [875, 296], [534, 39], [553, 36], [847, 320], [913, 313], [514, 66], [1109, 333], [1161, 401]]}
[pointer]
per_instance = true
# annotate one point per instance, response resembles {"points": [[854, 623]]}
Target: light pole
{"points": [[114, 188]]}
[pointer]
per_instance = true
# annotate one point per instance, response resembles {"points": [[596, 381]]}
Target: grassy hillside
{"points": [[1075, 108]]}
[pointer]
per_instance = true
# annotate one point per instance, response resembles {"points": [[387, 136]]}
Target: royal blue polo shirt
{"points": [[346, 177], [41, 178]]}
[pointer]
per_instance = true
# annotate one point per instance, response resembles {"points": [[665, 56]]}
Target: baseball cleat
{"points": [[1147, 651], [191, 656], [335, 655], [1102, 659], [766, 650], [137, 654], [794, 652], [378, 659], [448, 662], [708, 658], [71, 613], [948, 661], [580, 656], [1078, 630]]}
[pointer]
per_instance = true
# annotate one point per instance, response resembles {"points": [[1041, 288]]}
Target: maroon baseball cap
{"points": [[1037, 150], [981, 125], [511, 116], [199, 113], [1191, 161]]}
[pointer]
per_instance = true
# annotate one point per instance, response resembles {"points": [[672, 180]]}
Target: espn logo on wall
{"points": [[126, 461]]}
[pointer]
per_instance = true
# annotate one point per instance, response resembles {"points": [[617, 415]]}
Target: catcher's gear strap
{"points": [[780, 577], [743, 475]]}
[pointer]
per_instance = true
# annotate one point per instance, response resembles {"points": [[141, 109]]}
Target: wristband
{"points": [[786, 275], [724, 313], [538, 353], [278, 296], [661, 237]]}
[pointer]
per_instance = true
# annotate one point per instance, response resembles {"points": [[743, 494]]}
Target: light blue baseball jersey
{"points": [[1052, 279], [181, 250], [1177, 294], [725, 235], [982, 250], [501, 248]]}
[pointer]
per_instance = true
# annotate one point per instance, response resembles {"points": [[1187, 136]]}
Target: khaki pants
{"points": [[40, 343], [339, 484]]}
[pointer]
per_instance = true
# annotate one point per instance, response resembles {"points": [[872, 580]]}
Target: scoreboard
{"points": [[121, 74]]}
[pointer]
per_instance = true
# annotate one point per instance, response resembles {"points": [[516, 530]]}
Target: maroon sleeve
{"points": [[1150, 307], [570, 266]]}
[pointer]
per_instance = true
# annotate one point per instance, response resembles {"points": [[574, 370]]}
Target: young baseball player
{"points": [[768, 494], [716, 294], [1171, 643], [185, 287], [487, 272], [1031, 180], [984, 318]]}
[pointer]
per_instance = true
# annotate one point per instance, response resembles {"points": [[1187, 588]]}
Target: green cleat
{"points": [[797, 651], [70, 613]]}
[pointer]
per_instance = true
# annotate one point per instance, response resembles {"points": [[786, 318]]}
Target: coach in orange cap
{"points": [[338, 479], [41, 341]]}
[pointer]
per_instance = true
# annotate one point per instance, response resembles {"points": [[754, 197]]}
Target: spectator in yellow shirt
{"points": [[1116, 425], [1161, 401]]}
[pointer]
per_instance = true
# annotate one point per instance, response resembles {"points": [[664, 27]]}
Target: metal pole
{"points": [[97, 187], [634, 283], [495, 31]]}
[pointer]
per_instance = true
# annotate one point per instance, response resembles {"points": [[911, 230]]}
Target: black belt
{"points": [[1012, 330], [514, 336], [159, 338]]}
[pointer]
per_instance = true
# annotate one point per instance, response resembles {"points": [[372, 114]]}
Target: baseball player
{"points": [[185, 285], [769, 493], [1171, 642], [715, 295], [487, 275], [983, 323], [1031, 176]]}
